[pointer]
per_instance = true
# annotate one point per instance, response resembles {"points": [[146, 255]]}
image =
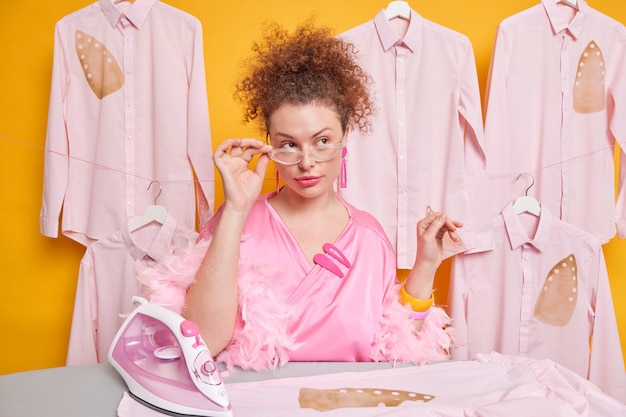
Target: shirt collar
{"points": [[558, 21], [389, 38], [516, 233], [136, 14], [159, 245]]}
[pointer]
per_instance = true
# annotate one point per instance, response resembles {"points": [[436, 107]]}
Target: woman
{"points": [[299, 274]]}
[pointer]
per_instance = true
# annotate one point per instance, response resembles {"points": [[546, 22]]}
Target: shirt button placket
{"points": [[129, 115]]}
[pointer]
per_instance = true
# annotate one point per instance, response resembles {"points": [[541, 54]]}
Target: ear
{"points": [[346, 133]]}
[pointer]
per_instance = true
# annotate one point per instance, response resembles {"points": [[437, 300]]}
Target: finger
{"points": [[432, 224], [450, 224], [428, 219], [250, 143], [250, 151], [261, 165], [453, 235], [224, 149]]}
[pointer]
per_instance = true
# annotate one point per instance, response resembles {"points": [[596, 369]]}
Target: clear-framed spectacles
{"points": [[319, 153]]}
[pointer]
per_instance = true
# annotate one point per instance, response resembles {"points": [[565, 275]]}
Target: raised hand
{"points": [[430, 232], [242, 183]]}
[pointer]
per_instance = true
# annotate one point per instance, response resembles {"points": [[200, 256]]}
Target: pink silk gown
{"points": [[290, 310]]}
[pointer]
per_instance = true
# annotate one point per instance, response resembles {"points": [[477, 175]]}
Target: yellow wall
{"points": [[39, 274]]}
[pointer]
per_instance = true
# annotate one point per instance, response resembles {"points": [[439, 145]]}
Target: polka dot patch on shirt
{"points": [[102, 72], [330, 399], [589, 89], [557, 299]]}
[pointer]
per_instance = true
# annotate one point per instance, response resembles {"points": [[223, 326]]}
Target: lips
{"points": [[308, 181]]}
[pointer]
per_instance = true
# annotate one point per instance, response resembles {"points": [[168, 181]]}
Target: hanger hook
{"points": [[160, 190], [531, 184]]}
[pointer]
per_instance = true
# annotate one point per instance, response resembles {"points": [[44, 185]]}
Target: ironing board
{"points": [[96, 390]]}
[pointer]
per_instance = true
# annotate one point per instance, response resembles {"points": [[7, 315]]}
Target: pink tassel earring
{"points": [[343, 180]]}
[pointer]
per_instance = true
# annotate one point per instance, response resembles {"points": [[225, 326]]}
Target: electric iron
{"points": [[166, 364]]}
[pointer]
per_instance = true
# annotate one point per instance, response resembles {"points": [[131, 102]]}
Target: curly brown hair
{"points": [[310, 66]]}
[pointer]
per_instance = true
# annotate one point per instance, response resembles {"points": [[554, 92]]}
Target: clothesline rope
{"points": [[490, 174]]}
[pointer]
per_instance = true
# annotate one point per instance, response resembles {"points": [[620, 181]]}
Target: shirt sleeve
{"points": [[56, 158], [200, 148], [470, 110], [617, 125], [606, 365], [457, 305], [496, 118], [83, 344]]}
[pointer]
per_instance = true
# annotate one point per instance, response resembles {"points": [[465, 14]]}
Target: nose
{"points": [[306, 161]]}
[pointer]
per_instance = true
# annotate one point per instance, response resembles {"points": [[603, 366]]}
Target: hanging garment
{"points": [[346, 312], [541, 292], [426, 145], [107, 281], [128, 105], [555, 107]]}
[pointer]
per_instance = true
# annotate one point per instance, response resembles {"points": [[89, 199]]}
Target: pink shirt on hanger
{"points": [[128, 105], [555, 108], [541, 292], [426, 147], [107, 282]]}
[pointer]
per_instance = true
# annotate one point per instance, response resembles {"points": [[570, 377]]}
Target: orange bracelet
{"points": [[416, 304]]}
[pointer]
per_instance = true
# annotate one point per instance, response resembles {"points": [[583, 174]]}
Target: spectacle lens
{"points": [[321, 153]]}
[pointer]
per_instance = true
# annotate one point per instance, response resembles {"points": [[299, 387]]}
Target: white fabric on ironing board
{"points": [[492, 385]]}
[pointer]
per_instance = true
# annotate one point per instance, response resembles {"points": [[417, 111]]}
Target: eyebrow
{"points": [[285, 135]]}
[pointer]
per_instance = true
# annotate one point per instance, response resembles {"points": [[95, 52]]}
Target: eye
{"points": [[322, 141], [288, 145]]}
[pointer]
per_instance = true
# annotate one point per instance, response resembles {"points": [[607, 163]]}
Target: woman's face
{"points": [[305, 128]]}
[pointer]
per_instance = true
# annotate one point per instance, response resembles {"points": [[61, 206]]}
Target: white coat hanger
{"points": [[398, 9], [572, 3], [153, 213], [526, 203]]}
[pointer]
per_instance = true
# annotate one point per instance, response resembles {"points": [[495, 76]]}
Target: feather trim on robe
{"points": [[397, 340], [260, 340]]}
